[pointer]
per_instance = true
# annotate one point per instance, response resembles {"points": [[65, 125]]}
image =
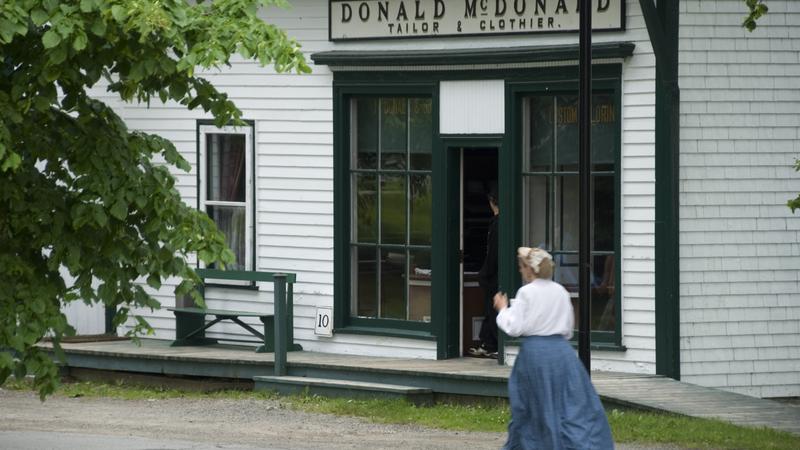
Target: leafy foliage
{"points": [[794, 204], [85, 207], [757, 9]]}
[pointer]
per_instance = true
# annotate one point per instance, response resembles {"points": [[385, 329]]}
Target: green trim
{"points": [[244, 275], [341, 211], [445, 247], [369, 322], [667, 236], [241, 287], [411, 80], [599, 346], [389, 332], [502, 55], [604, 346], [658, 39]]}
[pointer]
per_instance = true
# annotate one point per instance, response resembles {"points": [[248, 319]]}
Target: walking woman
{"points": [[553, 403]]}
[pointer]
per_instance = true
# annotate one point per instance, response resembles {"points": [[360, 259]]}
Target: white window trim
{"points": [[247, 132]]}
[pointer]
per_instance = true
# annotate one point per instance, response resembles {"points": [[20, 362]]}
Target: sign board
{"points": [[323, 324], [392, 19]]}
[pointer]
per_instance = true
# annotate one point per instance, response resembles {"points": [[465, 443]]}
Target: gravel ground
{"points": [[213, 423]]}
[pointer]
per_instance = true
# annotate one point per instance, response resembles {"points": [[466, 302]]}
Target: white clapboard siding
{"points": [[740, 258], [86, 319], [472, 107], [293, 117]]}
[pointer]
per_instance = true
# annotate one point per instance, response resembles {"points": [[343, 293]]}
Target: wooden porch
{"points": [[462, 376]]}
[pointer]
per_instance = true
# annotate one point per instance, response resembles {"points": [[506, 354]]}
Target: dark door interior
{"points": [[479, 178]]}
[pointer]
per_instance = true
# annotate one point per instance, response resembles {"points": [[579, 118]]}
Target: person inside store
{"points": [[553, 402], [487, 279]]}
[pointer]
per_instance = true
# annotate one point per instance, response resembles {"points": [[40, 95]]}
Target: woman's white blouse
{"points": [[542, 308]]}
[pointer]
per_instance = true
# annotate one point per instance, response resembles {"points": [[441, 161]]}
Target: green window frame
{"points": [[549, 177], [387, 245]]}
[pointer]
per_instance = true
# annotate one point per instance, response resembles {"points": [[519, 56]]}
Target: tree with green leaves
{"points": [[85, 208]]}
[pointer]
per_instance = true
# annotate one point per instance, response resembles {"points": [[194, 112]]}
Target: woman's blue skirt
{"points": [[553, 403]]}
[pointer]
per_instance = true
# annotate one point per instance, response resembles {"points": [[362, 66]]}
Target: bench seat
{"points": [[190, 326], [219, 312]]}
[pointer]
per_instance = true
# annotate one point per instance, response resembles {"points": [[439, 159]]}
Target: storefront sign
{"points": [[381, 19]]}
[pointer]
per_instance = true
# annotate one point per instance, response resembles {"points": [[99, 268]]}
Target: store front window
{"points": [[390, 198], [551, 196]]}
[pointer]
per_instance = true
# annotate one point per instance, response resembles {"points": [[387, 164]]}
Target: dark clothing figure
{"points": [[487, 278]]}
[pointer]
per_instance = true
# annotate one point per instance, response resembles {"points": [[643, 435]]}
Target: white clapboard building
{"points": [[368, 178]]}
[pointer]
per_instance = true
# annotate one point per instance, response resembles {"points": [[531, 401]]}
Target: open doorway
{"points": [[478, 179]]}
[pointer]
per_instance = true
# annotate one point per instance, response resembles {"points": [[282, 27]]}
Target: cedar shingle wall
{"points": [[740, 256]]}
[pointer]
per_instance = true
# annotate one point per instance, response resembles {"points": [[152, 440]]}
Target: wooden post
{"points": [[280, 323], [111, 311]]}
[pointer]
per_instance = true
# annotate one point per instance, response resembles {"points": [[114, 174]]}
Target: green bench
{"points": [[277, 336]]}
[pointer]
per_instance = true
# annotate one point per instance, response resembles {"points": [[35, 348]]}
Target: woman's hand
{"points": [[500, 301]]}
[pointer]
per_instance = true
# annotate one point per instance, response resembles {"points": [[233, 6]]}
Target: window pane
{"points": [[394, 134], [421, 197], [537, 211], [365, 285], [604, 316], [566, 271], [231, 221], [566, 213], [541, 134], [393, 285], [365, 208], [366, 131], [421, 131], [226, 171], [393, 209], [603, 226], [419, 285], [567, 132], [604, 132]]}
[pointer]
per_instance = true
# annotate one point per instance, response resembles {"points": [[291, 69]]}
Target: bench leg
{"points": [[269, 335], [186, 326]]}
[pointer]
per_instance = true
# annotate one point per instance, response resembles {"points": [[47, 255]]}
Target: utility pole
{"points": [[585, 182]]}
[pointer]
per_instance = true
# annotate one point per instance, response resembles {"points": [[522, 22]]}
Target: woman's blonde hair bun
{"points": [[537, 259]]}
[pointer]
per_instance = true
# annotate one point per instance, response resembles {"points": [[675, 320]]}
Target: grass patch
{"points": [[443, 416], [646, 427], [627, 426]]}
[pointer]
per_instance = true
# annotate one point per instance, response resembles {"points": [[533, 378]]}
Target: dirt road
{"points": [[250, 423], [207, 424]]}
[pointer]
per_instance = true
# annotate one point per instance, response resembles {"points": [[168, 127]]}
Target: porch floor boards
{"points": [[635, 390]]}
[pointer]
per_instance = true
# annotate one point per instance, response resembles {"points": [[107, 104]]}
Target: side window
{"points": [[225, 161]]}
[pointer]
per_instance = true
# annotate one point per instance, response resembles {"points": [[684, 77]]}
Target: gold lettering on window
{"points": [[394, 106], [600, 114]]}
